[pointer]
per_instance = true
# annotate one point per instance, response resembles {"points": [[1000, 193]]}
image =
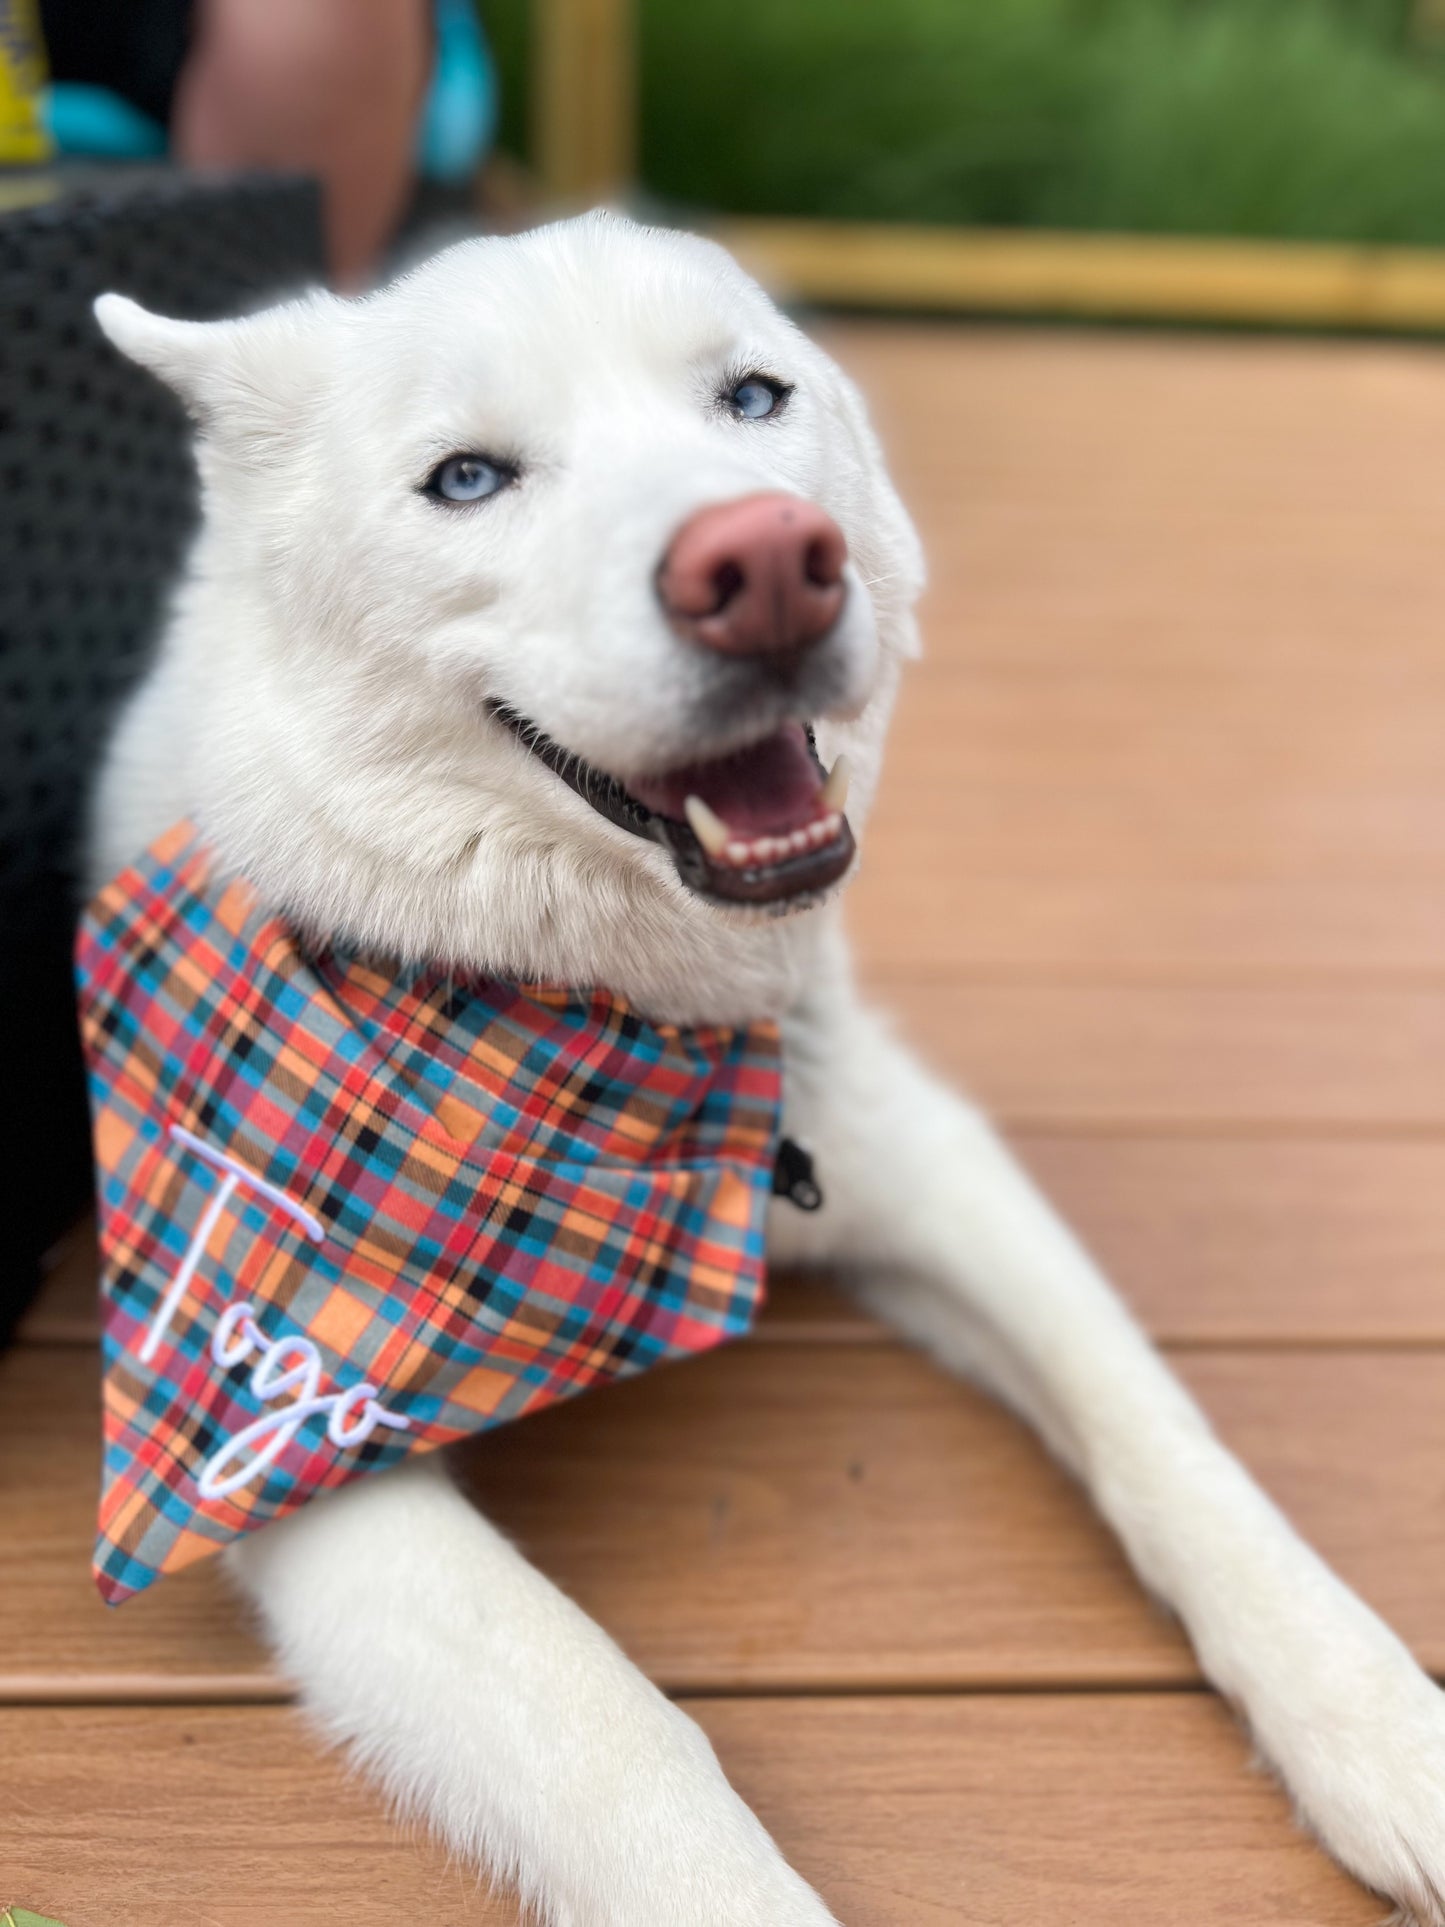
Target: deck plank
{"points": [[1260, 1240], [779, 1517], [1129, 931], [995, 1812], [1301, 1059], [1191, 733]]}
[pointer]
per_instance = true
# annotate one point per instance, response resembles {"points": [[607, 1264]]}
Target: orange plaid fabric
{"points": [[350, 1211]]}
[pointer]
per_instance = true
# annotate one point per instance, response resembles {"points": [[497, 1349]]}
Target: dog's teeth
{"points": [[835, 790], [706, 825], [753, 852]]}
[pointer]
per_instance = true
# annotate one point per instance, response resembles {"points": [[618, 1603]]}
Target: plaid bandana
{"points": [[349, 1212]]}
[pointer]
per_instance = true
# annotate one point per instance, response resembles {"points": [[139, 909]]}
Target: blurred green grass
{"points": [[1303, 118]]}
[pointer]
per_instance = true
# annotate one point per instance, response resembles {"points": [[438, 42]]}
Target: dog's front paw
{"points": [[1369, 1780], [666, 1842], [731, 1889], [727, 1872]]}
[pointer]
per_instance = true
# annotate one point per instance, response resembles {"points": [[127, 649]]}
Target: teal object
{"points": [[457, 125], [459, 121], [94, 121]]}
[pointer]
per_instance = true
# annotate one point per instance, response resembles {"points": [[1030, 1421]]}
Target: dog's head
{"points": [[571, 538]]}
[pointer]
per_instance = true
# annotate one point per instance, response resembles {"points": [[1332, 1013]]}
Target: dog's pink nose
{"points": [[760, 576]]}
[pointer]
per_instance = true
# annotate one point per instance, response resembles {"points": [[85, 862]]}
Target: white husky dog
{"points": [[555, 527]]}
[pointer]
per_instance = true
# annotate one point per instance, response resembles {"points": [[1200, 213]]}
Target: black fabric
{"points": [[136, 48], [97, 503]]}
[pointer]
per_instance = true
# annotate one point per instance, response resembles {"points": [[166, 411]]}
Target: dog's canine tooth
{"points": [[706, 825], [835, 790]]}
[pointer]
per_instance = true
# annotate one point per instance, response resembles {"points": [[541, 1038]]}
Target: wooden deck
{"points": [[1160, 872]]}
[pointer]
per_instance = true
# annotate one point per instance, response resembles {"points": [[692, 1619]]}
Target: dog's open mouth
{"points": [[762, 826]]}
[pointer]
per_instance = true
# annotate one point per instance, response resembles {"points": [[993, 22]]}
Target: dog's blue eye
{"points": [[758, 396], [468, 478]]}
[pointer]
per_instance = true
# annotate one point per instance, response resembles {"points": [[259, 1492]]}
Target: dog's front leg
{"points": [[488, 1705], [948, 1241]]}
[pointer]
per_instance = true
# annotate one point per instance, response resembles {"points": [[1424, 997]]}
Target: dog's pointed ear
{"points": [[240, 380], [198, 359], [175, 351]]}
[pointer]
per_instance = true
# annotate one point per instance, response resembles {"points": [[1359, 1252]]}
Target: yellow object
{"points": [[1158, 277], [23, 139], [584, 98]]}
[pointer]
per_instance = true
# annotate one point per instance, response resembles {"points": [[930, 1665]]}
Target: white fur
{"points": [[319, 705]]}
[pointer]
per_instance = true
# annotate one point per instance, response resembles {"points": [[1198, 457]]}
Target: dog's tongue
{"points": [[768, 789]]}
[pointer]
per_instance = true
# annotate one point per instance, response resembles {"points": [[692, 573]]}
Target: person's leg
{"points": [[325, 87]]}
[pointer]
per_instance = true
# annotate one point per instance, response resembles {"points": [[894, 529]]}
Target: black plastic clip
{"points": [[793, 1177]]}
